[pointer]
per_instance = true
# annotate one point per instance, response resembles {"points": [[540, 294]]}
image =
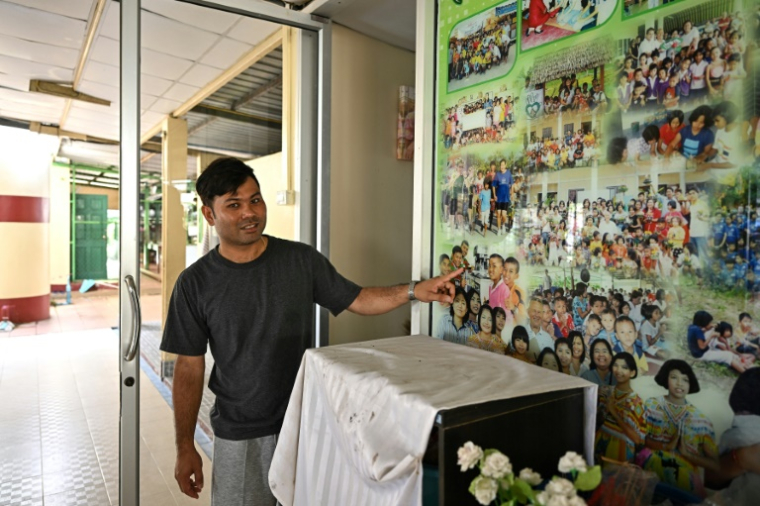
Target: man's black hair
{"points": [[222, 176]]}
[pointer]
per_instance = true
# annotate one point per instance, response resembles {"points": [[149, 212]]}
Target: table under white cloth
{"points": [[360, 416]]}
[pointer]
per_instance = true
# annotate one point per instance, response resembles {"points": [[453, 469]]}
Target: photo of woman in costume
{"points": [[680, 439], [621, 411]]}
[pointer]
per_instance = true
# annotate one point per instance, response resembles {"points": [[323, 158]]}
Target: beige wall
{"points": [[113, 195], [60, 225], [371, 192], [269, 171]]}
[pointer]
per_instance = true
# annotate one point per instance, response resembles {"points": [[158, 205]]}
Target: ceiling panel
{"points": [[79, 9], [111, 110], [10, 111], [101, 73], [14, 82], [153, 85], [165, 106], [95, 129], [100, 90], [154, 63], [33, 70], [175, 38], [225, 53], [105, 50], [41, 53], [193, 15], [32, 98], [252, 30], [97, 118], [149, 118], [109, 24], [163, 65], [199, 75], [44, 27], [180, 92]]}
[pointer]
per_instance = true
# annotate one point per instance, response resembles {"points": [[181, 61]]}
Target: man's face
{"points": [[445, 266], [535, 312], [240, 216], [456, 259], [465, 249]]}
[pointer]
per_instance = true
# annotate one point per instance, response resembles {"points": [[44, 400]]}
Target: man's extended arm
{"points": [[187, 392], [380, 300]]}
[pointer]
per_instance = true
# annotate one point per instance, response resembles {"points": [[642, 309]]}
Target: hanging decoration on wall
{"points": [[597, 179], [405, 128]]}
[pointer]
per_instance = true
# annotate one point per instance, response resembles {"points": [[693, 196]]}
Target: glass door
{"points": [[196, 79]]}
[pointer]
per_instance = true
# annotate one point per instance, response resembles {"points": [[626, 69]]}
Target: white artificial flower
{"points": [[561, 486], [496, 465], [557, 500], [543, 498], [469, 455], [572, 462], [576, 501], [485, 489], [529, 476]]}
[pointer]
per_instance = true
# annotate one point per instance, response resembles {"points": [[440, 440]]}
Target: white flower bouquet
{"points": [[497, 484]]}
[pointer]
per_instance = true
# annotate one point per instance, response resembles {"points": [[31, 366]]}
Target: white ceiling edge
{"points": [[389, 21]]}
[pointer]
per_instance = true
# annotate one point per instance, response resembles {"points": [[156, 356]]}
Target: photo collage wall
{"points": [[597, 179]]}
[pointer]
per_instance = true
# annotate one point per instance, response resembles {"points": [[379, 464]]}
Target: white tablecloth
{"points": [[360, 416]]}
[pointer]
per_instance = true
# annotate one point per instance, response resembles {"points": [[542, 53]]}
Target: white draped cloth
{"points": [[360, 415]]}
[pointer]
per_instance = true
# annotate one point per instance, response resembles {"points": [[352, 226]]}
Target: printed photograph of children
{"points": [[546, 21], [478, 196], [636, 7], [489, 302], [693, 58], [481, 48], [484, 118]]}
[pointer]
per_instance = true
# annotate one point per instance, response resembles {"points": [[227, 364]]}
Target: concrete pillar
{"points": [[25, 160], [202, 161], [173, 233]]}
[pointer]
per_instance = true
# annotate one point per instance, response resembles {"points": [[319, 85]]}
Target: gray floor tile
{"points": [[20, 491]]}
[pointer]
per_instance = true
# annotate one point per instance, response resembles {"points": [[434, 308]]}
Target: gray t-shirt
{"points": [[257, 318]]}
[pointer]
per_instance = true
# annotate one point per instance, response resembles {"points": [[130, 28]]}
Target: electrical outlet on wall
{"points": [[286, 197]]}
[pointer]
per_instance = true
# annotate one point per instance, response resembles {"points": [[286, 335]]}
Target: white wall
{"points": [[269, 171], [371, 192], [60, 225]]}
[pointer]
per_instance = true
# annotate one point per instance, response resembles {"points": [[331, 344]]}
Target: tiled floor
{"points": [[59, 414]]}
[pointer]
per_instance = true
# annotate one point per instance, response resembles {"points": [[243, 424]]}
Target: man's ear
{"points": [[208, 213]]}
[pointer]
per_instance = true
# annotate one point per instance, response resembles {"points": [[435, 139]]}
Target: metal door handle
{"points": [[134, 298]]}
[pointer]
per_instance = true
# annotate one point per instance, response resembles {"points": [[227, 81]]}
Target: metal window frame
{"points": [[312, 155]]}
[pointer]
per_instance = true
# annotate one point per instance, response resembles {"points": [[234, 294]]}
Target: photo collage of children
{"points": [[610, 228]]}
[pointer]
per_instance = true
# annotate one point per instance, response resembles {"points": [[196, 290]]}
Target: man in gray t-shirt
{"points": [[251, 302]]}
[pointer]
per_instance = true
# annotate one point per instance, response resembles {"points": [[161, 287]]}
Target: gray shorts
{"points": [[240, 472]]}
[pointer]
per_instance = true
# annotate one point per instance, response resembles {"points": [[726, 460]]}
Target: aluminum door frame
{"points": [[424, 157], [312, 156]]}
